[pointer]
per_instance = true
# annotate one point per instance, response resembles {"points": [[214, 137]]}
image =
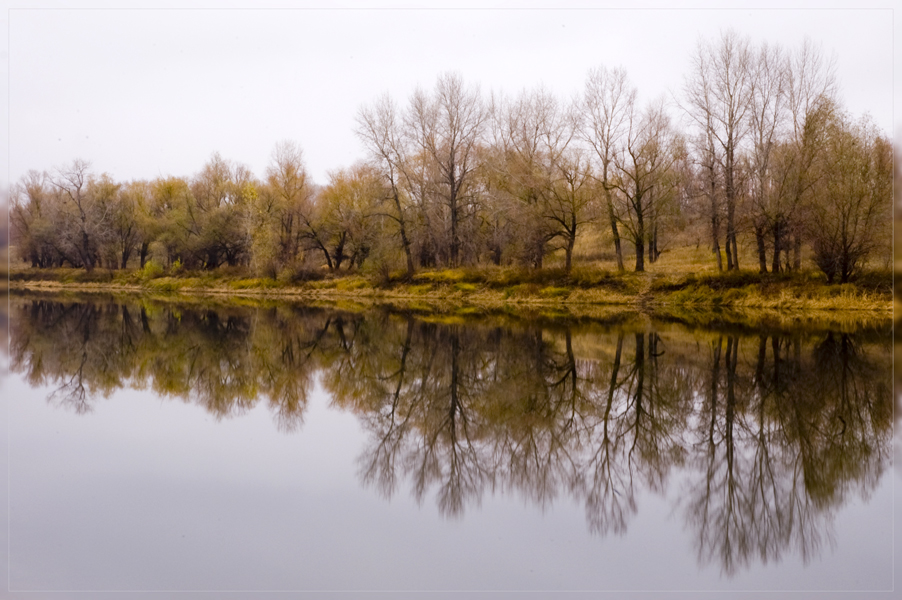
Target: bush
{"points": [[465, 287], [151, 270], [554, 292], [177, 268]]}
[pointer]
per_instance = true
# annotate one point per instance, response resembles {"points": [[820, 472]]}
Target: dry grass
{"points": [[685, 277]]}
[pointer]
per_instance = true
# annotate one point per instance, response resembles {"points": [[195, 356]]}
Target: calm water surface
{"points": [[166, 446]]}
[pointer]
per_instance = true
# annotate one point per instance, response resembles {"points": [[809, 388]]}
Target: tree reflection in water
{"points": [[768, 433]]}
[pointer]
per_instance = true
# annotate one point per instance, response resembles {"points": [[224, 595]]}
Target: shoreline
{"points": [[630, 294]]}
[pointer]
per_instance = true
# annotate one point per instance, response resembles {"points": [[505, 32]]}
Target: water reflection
{"points": [[759, 436]]}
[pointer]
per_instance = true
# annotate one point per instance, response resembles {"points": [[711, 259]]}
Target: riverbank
{"points": [[498, 287]]}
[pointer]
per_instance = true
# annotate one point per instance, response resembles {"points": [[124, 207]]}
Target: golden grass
{"points": [[684, 277]]}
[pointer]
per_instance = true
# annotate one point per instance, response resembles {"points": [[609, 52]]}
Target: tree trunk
{"points": [[732, 262], [715, 223], [455, 242], [735, 252], [729, 248], [640, 254], [86, 255], [762, 257], [571, 241], [716, 251], [340, 251], [653, 252], [568, 261], [617, 248], [496, 254], [405, 241], [328, 258], [778, 243]]}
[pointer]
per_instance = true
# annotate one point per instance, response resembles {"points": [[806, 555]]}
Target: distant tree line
{"points": [[769, 160]]}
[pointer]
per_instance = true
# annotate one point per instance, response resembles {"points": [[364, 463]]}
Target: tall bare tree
{"points": [[533, 134], [811, 97], [83, 219], [447, 127], [768, 108], [607, 105], [380, 128], [645, 172], [718, 101]]}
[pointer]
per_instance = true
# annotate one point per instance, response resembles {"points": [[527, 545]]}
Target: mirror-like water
{"points": [[189, 447]]}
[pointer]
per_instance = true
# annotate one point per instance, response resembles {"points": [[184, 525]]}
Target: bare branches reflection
{"points": [[756, 436]]}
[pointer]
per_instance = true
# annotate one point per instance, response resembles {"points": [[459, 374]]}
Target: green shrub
{"points": [[554, 292], [177, 268], [165, 285], [420, 289], [151, 270], [465, 287]]}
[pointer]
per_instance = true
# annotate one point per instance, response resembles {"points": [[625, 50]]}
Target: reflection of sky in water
{"points": [[144, 493]]}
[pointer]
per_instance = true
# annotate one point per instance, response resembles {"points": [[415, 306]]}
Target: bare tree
{"points": [[83, 219], [718, 101], [380, 129], [644, 171], [607, 104], [810, 95], [767, 116], [533, 136], [568, 198], [447, 127]]}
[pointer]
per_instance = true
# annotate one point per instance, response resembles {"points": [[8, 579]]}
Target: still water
{"points": [[176, 446]]}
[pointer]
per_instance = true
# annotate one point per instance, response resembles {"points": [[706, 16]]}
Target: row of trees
{"points": [[769, 160]]}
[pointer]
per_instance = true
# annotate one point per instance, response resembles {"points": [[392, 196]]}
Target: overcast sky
{"points": [[145, 93]]}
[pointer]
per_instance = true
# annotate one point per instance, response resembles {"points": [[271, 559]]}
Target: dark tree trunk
{"points": [[340, 251], [617, 249], [640, 241], [653, 252], [778, 244], [496, 254], [735, 251], [729, 248], [762, 256], [455, 242], [571, 241]]}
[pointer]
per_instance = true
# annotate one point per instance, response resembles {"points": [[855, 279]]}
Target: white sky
{"points": [[144, 93]]}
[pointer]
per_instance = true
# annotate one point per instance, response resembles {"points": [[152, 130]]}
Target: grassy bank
{"points": [[498, 286]]}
